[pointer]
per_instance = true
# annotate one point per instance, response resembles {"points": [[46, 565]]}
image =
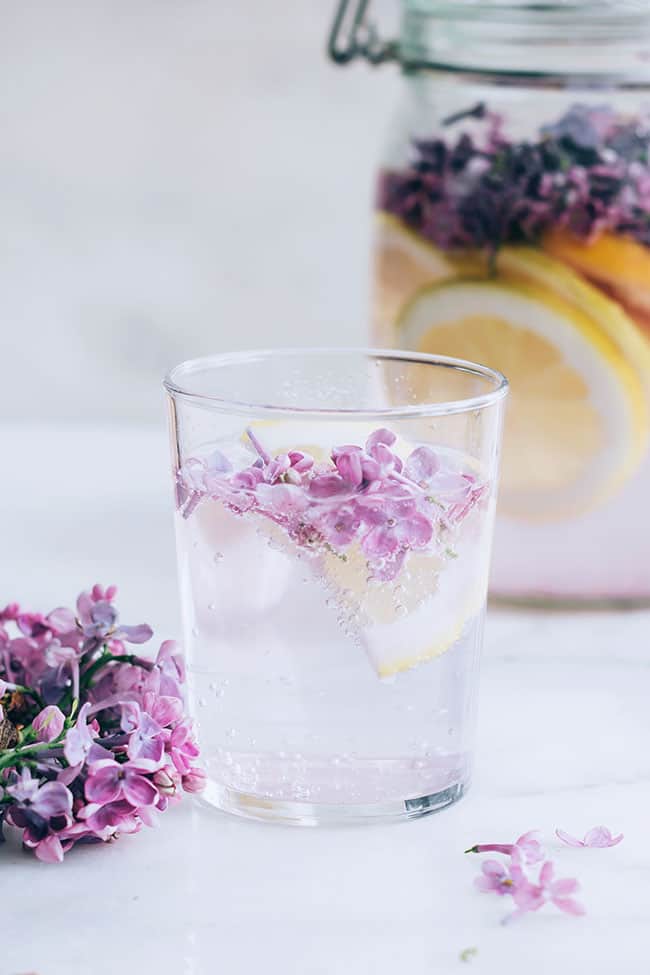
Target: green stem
{"points": [[106, 658], [13, 755]]}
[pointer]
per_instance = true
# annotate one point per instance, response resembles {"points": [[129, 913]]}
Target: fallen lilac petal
{"points": [[567, 839], [599, 837]]}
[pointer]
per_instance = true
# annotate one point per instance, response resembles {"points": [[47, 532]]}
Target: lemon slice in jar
{"points": [[577, 422], [404, 262], [619, 264]]}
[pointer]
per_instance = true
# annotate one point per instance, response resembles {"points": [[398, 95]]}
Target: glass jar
{"points": [[513, 229]]}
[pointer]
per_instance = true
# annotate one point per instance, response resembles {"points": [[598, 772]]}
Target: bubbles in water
{"points": [[202, 702], [195, 631], [231, 733], [212, 607], [217, 557]]}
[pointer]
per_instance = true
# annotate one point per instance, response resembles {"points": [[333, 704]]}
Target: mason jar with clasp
{"points": [[513, 229]]}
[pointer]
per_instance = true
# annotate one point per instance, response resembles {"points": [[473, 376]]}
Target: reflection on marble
{"points": [[564, 730]]}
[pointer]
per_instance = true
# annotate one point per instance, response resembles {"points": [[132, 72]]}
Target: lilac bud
{"points": [[166, 781], [48, 725], [195, 780]]}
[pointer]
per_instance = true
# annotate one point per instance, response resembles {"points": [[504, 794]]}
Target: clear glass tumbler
{"points": [[334, 513]]}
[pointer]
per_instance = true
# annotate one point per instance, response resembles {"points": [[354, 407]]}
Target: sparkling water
{"points": [[316, 688]]}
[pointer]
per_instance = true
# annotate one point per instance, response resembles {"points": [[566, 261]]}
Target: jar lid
{"points": [[593, 39], [595, 43]]}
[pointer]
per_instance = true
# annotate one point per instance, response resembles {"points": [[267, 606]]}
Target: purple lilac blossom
{"points": [[588, 173], [104, 743], [364, 495]]}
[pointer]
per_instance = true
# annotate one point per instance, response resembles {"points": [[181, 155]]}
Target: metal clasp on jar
{"points": [[353, 35]]}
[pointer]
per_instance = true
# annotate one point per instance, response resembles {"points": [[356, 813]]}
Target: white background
{"points": [[177, 177]]}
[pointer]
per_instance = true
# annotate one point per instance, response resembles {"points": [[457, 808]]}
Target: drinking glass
{"points": [[334, 515]]}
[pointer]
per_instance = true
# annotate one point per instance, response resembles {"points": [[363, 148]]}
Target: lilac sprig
{"points": [[363, 495], [530, 885], [588, 172], [94, 741]]}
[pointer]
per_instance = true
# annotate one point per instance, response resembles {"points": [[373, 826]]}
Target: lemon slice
{"points": [[577, 421], [611, 257], [403, 263], [536, 267], [618, 264], [417, 616], [424, 611]]}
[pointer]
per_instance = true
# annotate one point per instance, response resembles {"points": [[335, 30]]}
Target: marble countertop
{"points": [[563, 741]]}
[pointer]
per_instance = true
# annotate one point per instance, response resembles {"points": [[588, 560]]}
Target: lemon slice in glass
{"points": [[418, 616]]}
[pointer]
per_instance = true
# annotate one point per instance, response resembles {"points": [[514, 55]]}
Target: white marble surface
{"points": [[564, 730]]}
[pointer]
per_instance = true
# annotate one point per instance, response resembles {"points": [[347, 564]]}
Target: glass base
{"points": [[569, 603], [264, 809]]}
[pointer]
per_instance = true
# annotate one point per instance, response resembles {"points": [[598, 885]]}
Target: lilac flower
{"points": [[348, 462], [48, 724], [182, 747], [598, 837], [168, 781], [583, 172], [47, 799], [109, 781], [422, 465], [114, 769], [195, 780], [528, 846], [146, 742], [112, 818], [496, 878], [171, 667], [57, 623], [78, 740], [39, 809], [339, 525], [532, 896], [364, 495], [282, 500], [98, 620], [165, 710]]}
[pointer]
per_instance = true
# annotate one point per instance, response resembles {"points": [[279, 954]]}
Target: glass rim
{"points": [[223, 404]]}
